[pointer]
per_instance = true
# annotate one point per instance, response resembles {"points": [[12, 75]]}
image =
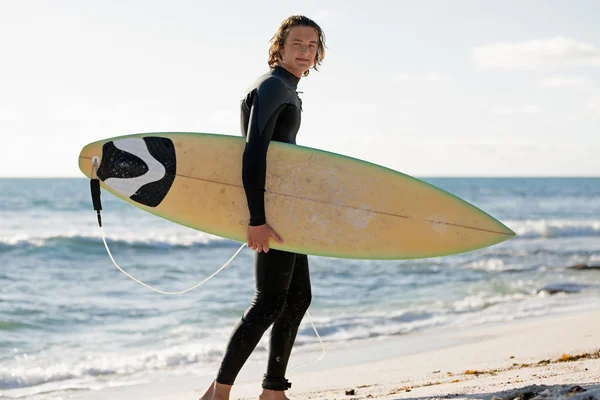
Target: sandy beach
{"points": [[548, 357]]}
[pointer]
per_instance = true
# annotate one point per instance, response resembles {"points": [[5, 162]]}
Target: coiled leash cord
{"points": [[97, 203]]}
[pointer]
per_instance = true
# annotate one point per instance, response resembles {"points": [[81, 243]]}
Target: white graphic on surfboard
{"points": [[129, 186]]}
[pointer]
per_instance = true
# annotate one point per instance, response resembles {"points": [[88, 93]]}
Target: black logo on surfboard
{"points": [[142, 169]]}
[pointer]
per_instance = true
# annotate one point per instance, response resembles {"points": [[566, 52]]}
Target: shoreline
{"points": [[487, 360]]}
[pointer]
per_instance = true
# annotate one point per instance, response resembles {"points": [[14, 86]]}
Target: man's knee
{"points": [[266, 308]]}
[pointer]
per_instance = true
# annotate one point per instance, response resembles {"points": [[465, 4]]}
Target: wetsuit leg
{"points": [[286, 326], [273, 274]]}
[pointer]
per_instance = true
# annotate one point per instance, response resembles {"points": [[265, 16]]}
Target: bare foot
{"points": [[272, 395], [217, 391]]}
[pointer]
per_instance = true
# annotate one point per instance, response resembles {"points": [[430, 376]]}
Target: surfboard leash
{"points": [[97, 204]]}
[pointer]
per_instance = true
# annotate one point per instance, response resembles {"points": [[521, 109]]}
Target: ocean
{"points": [[70, 321]]}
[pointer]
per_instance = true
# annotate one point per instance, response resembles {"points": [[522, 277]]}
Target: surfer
{"points": [[271, 110]]}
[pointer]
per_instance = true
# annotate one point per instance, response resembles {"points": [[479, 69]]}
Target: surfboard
{"points": [[321, 203]]}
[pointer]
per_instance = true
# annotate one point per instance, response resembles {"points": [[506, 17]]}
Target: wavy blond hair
{"points": [[282, 33]]}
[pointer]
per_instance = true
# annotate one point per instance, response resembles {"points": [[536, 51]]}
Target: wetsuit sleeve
{"points": [[267, 101]]}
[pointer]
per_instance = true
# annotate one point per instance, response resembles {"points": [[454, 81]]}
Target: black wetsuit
{"points": [[270, 111]]}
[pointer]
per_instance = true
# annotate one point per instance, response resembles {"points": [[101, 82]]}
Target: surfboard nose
{"points": [[86, 156]]}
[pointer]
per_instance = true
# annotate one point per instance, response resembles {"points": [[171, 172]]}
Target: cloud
{"points": [[321, 15], [10, 115], [527, 109], [561, 81], [433, 77], [594, 104], [491, 143], [428, 77], [366, 108], [558, 51], [406, 102]]}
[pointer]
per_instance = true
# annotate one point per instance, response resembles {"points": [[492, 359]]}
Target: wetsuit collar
{"points": [[287, 76]]}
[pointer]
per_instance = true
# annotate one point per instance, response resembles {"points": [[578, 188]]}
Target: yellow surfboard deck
{"points": [[321, 203]]}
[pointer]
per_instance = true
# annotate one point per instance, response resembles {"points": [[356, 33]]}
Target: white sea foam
{"points": [[27, 372], [145, 238], [554, 228]]}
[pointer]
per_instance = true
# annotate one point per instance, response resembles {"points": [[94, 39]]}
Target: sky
{"points": [[428, 88]]}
